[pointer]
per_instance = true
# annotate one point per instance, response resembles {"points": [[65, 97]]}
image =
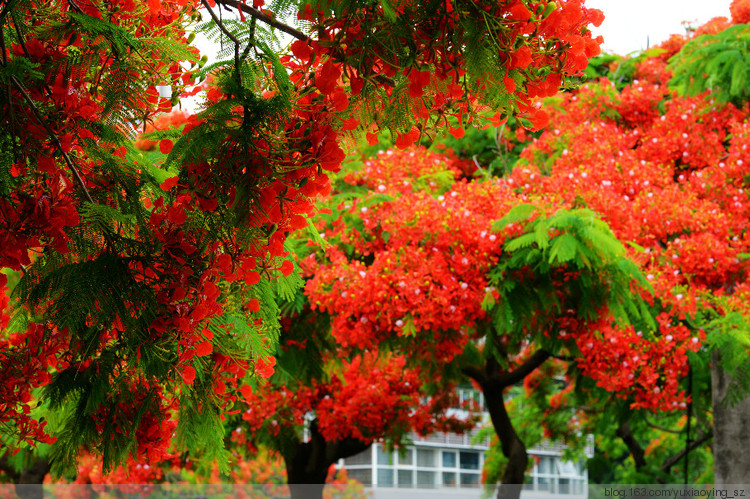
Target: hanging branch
{"points": [[25, 49], [53, 136], [257, 14], [299, 35], [661, 428], [233, 38], [693, 445]]}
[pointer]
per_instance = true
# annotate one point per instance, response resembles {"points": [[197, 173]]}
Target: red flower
{"points": [[264, 367]]}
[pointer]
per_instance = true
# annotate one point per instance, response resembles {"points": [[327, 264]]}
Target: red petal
{"points": [[169, 183], [188, 375], [165, 146], [203, 349]]}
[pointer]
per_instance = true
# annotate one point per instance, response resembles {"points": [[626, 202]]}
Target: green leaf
{"points": [[739, 77], [519, 213], [564, 249], [388, 10], [409, 329]]}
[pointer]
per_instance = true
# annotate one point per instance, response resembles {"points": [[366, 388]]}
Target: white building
{"points": [[449, 465]]}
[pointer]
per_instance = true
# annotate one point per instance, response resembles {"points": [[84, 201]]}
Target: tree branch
{"points": [[693, 444], [475, 373], [299, 35], [513, 377], [53, 136], [25, 49], [219, 23], [566, 358], [626, 434], [260, 16], [347, 447], [662, 428]]}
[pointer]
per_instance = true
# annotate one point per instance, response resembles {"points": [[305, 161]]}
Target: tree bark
{"points": [[308, 462], [28, 482], [512, 446], [731, 431], [639, 455], [492, 384]]}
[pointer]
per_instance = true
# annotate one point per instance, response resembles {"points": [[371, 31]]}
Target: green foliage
{"points": [[620, 70], [495, 151], [201, 430], [573, 245], [719, 63], [662, 436]]}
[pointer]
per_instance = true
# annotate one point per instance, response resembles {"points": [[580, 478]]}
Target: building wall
{"points": [[449, 465]]}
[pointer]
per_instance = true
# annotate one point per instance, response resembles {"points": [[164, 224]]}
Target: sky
{"points": [[630, 24]]}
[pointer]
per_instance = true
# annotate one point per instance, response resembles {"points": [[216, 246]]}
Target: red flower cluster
{"points": [[27, 361], [365, 398], [434, 71], [430, 258], [669, 174]]}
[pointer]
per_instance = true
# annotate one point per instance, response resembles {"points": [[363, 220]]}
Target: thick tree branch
{"points": [[513, 377], [693, 444], [260, 16], [626, 434], [341, 449], [475, 373]]}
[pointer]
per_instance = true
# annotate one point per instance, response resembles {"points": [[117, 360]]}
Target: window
{"points": [[385, 477], [426, 479], [361, 475], [420, 467], [361, 458], [406, 457], [469, 460], [426, 458], [405, 478], [554, 475], [461, 468], [429, 466], [449, 459], [383, 456]]}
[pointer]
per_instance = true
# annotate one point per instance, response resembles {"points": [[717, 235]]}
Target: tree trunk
{"points": [[512, 446], [306, 471], [731, 431], [28, 482], [636, 451], [308, 463], [492, 384]]}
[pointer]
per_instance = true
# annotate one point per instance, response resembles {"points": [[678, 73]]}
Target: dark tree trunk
{"points": [[731, 431], [308, 462], [639, 455], [28, 482], [493, 384], [512, 446]]}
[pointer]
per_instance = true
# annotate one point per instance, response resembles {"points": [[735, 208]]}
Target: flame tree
{"points": [[468, 277], [129, 321]]}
